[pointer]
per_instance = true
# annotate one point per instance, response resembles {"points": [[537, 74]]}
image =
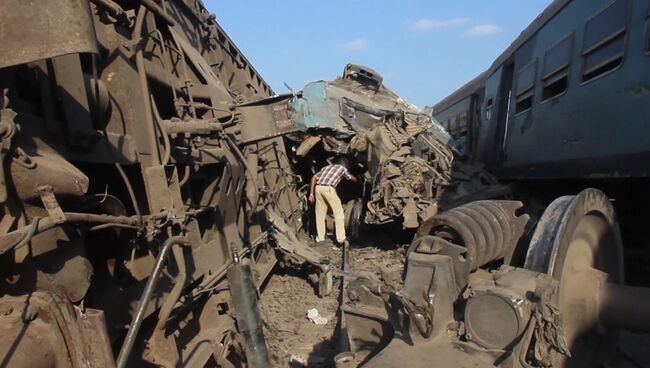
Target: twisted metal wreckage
{"points": [[146, 185], [151, 182], [405, 156]]}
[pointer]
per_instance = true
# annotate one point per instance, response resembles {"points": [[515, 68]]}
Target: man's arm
{"points": [[347, 175], [312, 187]]}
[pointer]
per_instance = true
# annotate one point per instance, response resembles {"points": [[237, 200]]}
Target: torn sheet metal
{"points": [[33, 30]]}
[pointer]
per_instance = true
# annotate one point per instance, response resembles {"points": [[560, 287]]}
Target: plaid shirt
{"points": [[331, 175]]}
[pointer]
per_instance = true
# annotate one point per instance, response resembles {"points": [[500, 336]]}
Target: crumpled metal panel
{"points": [[314, 110], [336, 106], [32, 30]]}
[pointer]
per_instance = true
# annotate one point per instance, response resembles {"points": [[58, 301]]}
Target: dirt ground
{"points": [[296, 342], [293, 339]]}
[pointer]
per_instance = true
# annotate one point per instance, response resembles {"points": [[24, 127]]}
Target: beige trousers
{"points": [[326, 196]]}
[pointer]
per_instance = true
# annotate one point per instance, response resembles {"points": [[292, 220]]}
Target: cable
{"points": [[186, 176], [129, 189], [241, 157]]}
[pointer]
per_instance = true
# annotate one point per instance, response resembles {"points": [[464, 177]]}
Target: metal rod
{"points": [[144, 86], [127, 345], [156, 9], [129, 188], [211, 280], [344, 341], [172, 298], [113, 9]]}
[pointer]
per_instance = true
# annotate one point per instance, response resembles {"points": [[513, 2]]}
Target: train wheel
{"points": [[578, 242]]}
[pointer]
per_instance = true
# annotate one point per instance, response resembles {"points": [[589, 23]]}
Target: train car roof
{"points": [[471, 86], [461, 93], [539, 22]]}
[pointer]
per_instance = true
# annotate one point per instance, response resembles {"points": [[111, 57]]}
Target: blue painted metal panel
{"points": [[608, 116], [313, 108]]}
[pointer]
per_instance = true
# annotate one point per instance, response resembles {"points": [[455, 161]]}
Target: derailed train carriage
{"points": [[138, 188], [547, 279], [404, 156]]}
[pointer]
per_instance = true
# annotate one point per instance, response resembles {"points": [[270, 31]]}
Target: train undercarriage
{"points": [[557, 298]]}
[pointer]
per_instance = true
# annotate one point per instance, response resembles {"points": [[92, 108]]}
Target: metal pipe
{"points": [[175, 294], [626, 307], [149, 288], [20, 236], [211, 280], [249, 321], [113, 9], [186, 176], [156, 9]]}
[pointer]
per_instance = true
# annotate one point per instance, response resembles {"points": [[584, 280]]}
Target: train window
{"points": [[462, 123], [525, 87], [488, 109], [555, 73], [604, 41], [524, 102]]}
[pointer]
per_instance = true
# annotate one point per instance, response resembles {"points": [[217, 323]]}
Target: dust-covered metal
{"points": [[557, 311], [31, 31], [129, 172], [488, 230], [404, 155], [151, 181]]}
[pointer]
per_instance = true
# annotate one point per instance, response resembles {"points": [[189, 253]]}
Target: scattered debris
{"points": [[315, 317], [298, 359], [289, 294]]}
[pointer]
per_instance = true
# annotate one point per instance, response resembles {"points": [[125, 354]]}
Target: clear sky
{"points": [[424, 49]]}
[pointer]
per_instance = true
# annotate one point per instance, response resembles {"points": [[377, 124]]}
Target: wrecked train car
{"points": [[133, 187], [403, 154]]}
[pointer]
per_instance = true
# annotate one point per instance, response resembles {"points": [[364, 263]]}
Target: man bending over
{"points": [[323, 192]]}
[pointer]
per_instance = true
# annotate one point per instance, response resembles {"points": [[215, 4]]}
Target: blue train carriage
{"points": [[570, 98]]}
